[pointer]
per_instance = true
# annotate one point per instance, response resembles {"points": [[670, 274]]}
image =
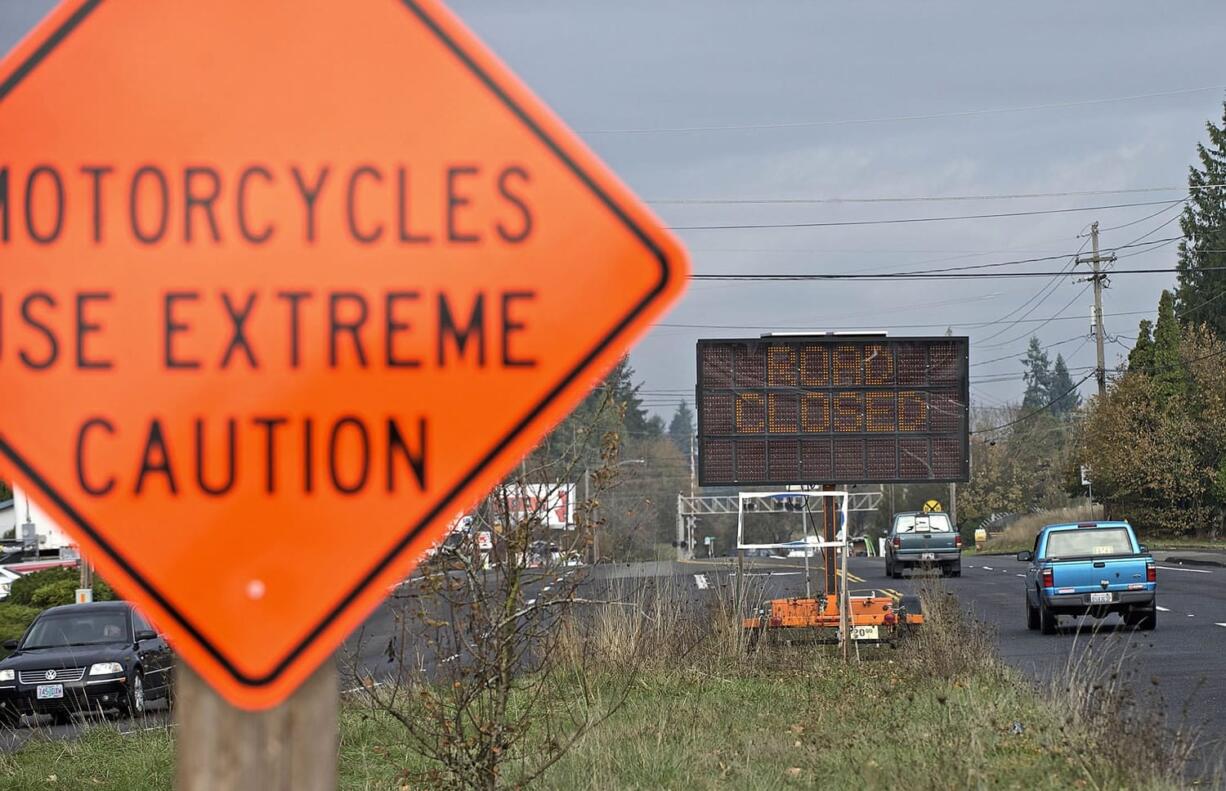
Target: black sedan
{"points": [[84, 657]]}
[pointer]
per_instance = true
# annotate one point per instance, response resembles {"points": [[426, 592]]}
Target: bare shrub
{"points": [[949, 643], [660, 623], [1123, 717], [480, 672]]}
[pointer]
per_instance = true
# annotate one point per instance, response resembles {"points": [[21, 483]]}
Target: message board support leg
{"points": [[829, 521], [292, 747]]}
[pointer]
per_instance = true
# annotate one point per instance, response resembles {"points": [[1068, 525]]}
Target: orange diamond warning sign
{"points": [[285, 286]]}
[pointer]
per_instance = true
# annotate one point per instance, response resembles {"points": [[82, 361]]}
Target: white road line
{"points": [[1162, 609], [1178, 568], [1220, 624], [701, 581], [1191, 615], [988, 568], [1019, 575]]}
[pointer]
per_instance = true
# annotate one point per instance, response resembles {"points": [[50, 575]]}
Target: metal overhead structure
{"points": [[690, 507]]}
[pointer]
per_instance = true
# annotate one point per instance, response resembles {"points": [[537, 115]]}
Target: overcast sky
{"points": [[620, 72]]}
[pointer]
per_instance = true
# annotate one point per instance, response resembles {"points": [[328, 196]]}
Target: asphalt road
{"points": [[1180, 666], [158, 716], [1182, 662]]}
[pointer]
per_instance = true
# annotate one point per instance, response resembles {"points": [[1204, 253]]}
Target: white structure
{"points": [[24, 511], [552, 503]]}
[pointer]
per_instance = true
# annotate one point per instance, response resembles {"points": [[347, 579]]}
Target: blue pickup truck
{"points": [[1089, 568]]}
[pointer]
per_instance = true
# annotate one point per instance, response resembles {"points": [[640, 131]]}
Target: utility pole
{"points": [[1098, 278]]}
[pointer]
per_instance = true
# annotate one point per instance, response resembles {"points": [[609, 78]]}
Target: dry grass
{"points": [[1125, 717], [1020, 533], [660, 623]]}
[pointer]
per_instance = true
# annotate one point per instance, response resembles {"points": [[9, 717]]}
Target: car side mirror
{"points": [[146, 634], [1025, 556], [1142, 548], [9, 645]]}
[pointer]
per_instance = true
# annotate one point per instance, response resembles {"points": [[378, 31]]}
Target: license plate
{"points": [[864, 633], [1100, 598], [49, 691], [928, 556]]}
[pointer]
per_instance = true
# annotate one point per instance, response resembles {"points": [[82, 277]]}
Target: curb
{"points": [[1194, 561]]}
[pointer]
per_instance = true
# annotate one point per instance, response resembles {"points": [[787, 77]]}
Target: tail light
{"points": [[1048, 579], [897, 542], [957, 542], [1151, 572]]}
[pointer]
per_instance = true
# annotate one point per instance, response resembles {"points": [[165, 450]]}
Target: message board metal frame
{"points": [[759, 390], [815, 543]]}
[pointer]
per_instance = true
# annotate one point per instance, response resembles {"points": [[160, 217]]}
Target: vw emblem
{"points": [[50, 674]]}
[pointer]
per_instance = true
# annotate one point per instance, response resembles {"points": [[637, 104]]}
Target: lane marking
{"points": [[1180, 568], [988, 568], [1162, 609], [1191, 615], [1220, 624], [701, 581], [1020, 575]]}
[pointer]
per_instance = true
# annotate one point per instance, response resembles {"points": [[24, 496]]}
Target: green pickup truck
{"points": [[923, 540]]}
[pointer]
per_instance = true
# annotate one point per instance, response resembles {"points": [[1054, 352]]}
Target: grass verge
{"points": [[939, 711]]}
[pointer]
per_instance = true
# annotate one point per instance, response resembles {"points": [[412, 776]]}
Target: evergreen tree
{"points": [[1168, 366], [1201, 294], [1062, 383], [625, 393], [681, 428], [1037, 376], [1141, 358]]}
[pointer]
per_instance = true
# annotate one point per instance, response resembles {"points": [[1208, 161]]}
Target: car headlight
{"points": [[105, 668], [7, 675]]}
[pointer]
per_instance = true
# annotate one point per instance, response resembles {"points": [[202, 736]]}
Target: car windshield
{"points": [[922, 523], [1089, 541], [95, 628]]}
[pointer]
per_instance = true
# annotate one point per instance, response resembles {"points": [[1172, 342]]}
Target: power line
{"points": [[922, 198], [1082, 381], [904, 220], [1017, 355], [941, 325], [1032, 331], [895, 118], [1039, 410], [927, 275], [1147, 217], [1041, 295]]}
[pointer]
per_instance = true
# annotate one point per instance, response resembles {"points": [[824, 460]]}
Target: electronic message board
{"points": [[832, 409]]}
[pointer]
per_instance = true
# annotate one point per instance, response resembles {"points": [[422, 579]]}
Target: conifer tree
{"points": [[1167, 365], [681, 428], [1201, 294], [1067, 399], [1037, 376], [1141, 358]]}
